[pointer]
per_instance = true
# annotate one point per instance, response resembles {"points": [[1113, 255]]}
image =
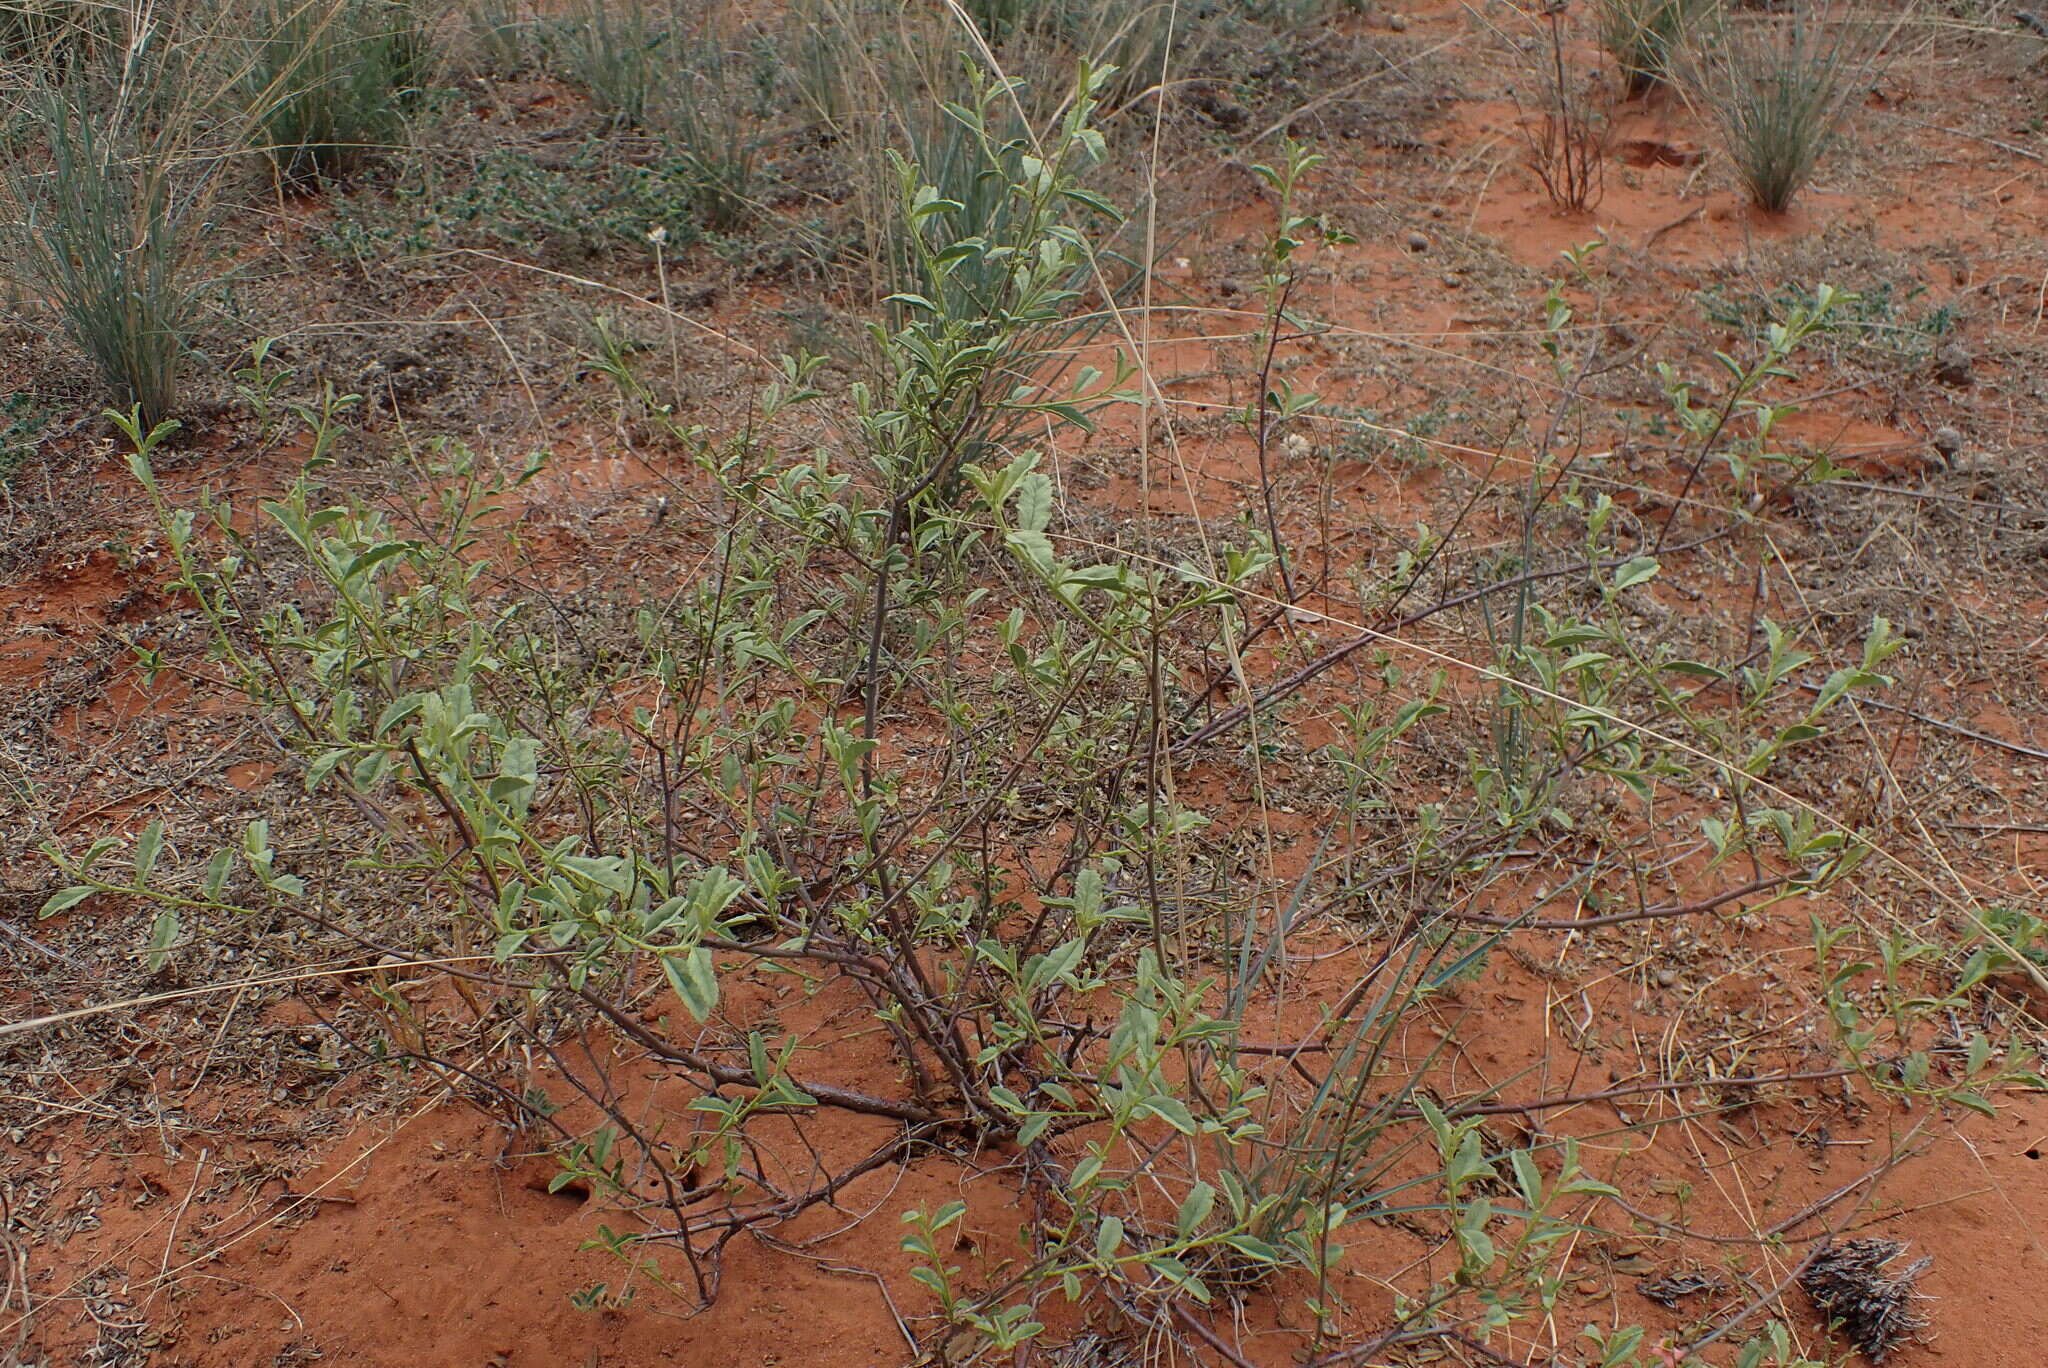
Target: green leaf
{"points": [[695, 980], [217, 873], [711, 893], [1201, 1200], [929, 203], [374, 557], [1008, 1100], [1172, 1111], [1528, 1178], [614, 873], [1255, 1248], [138, 466], [369, 771], [1106, 577], [397, 711], [1109, 1237], [1635, 572], [1034, 502], [147, 847], [66, 899], [659, 916], [323, 766], [163, 934], [1034, 547]]}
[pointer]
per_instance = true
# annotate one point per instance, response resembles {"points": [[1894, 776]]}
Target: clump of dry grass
{"points": [[103, 203], [1643, 35], [52, 33], [1779, 88], [106, 240], [328, 81]]}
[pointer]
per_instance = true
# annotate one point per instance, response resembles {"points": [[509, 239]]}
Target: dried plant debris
{"points": [[1090, 1350], [1849, 1284], [1669, 1289]]}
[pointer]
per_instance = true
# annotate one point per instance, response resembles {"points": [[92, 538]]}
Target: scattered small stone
{"points": [[1667, 978], [1417, 242], [1398, 22], [1947, 441], [1451, 282]]}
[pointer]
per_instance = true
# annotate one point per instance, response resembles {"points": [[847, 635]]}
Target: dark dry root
{"points": [[1849, 1285]]}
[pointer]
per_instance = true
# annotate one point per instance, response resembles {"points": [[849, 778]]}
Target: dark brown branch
{"points": [[1630, 1090], [1708, 904], [843, 1098], [1344, 651]]}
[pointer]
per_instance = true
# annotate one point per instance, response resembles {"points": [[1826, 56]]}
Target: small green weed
{"points": [[1878, 315], [22, 424], [506, 200]]}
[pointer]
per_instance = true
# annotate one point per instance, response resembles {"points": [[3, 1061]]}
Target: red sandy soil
{"points": [[426, 1235]]}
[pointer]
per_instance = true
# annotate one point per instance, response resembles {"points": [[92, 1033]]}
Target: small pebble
{"points": [[1451, 282], [1398, 22], [1417, 242], [1666, 978], [1947, 441]]}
